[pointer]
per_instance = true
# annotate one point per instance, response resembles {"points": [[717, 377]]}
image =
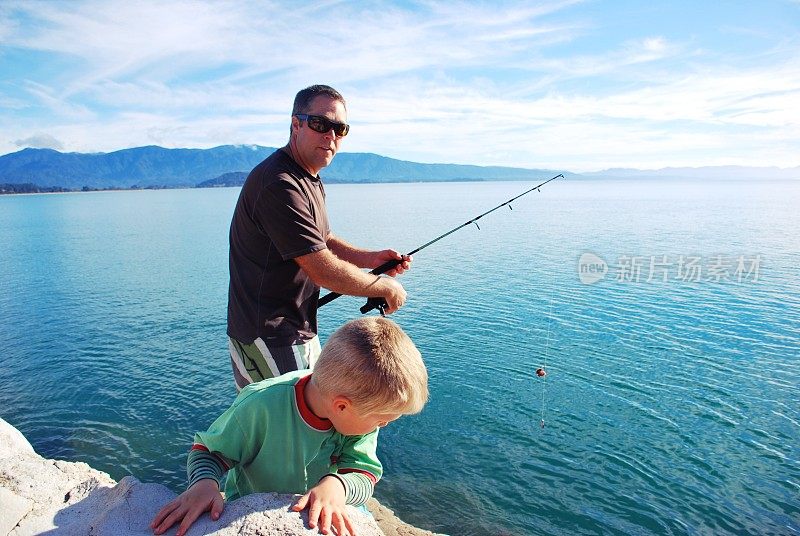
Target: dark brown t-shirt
{"points": [[280, 215]]}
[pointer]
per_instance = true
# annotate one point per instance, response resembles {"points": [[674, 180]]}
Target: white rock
{"points": [[132, 505], [68, 498], [14, 509], [12, 441]]}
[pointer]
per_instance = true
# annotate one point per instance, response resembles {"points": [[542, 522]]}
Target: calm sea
{"points": [[671, 403]]}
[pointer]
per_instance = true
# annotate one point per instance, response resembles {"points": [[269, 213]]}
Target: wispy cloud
{"points": [[529, 84], [40, 141]]}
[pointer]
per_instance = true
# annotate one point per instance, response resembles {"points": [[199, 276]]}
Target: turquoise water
{"points": [[669, 407]]}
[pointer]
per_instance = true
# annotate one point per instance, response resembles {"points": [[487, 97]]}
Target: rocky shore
{"points": [[55, 497]]}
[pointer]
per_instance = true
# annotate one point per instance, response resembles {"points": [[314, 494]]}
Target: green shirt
{"points": [[269, 440]]}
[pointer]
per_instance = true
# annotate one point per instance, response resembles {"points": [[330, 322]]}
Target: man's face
{"points": [[315, 150]]}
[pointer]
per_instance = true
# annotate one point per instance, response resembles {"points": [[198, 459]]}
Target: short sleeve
{"points": [[359, 455], [232, 436], [286, 213]]}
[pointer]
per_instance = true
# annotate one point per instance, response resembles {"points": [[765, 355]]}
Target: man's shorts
{"points": [[257, 361]]}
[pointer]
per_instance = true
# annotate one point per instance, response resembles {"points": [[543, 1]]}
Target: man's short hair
{"points": [[375, 364], [302, 101]]}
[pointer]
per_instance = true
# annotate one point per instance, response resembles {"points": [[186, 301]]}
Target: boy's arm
{"points": [[203, 464], [350, 481], [214, 452], [358, 467]]}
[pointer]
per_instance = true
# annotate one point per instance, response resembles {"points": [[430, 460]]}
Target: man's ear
{"points": [[295, 123]]}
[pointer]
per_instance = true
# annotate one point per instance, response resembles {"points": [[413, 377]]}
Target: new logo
{"points": [[591, 268]]}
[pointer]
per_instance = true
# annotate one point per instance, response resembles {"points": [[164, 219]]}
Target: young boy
{"points": [[307, 430]]}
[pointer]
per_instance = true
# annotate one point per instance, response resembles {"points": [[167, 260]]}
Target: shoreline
{"points": [[628, 180]]}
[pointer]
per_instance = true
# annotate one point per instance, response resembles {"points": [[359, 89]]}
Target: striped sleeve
{"points": [[358, 487], [203, 464], [359, 468]]}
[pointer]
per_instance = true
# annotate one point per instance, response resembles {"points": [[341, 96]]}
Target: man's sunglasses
{"points": [[320, 124]]}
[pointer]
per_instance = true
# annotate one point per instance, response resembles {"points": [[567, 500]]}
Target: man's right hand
{"points": [[393, 292]]}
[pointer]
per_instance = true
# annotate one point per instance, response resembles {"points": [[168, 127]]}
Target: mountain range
{"points": [[228, 165]]}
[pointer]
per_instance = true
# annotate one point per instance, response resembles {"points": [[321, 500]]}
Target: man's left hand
{"points": [[392, 255]]}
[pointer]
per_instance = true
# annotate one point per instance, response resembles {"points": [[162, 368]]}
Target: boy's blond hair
{"points": [[375, 364]]}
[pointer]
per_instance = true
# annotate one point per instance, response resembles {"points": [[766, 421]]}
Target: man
{"points": [[282, 249]]}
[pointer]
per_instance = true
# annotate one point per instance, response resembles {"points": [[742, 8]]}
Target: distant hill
{"points": [[228, 165], [141, 166], [29, 188], [153, 166], [235, 178], [369, 167]]}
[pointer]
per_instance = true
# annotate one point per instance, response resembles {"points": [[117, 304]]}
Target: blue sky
{"points": [[574, 85]]}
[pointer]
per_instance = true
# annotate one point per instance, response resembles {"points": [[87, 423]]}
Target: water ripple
{"points": [[669, 408]]}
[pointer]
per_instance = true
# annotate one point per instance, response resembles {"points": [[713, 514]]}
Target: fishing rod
{"points": [[380, 303]]}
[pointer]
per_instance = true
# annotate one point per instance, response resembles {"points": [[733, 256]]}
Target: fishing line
{"points": [[547, 346], [379, 303]]}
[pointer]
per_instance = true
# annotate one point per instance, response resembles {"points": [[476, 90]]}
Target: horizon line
{"points": [[565, 169]]}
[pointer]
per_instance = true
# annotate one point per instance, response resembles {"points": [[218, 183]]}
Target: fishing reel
{"points": [[375, 303]]}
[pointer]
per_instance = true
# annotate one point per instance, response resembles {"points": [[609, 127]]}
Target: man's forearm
{"points": [[350, 253], [329, 271]]}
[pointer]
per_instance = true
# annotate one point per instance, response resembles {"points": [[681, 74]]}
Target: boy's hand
{"points": [[203, 496], [325, 503]]}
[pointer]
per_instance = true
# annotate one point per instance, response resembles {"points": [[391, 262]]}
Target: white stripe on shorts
{"points": [[262, 347], [238, 361], [300, 359], [313, 349]]}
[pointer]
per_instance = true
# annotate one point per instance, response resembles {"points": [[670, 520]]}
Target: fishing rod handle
{"points": [[386, 266], [327, 298]]}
